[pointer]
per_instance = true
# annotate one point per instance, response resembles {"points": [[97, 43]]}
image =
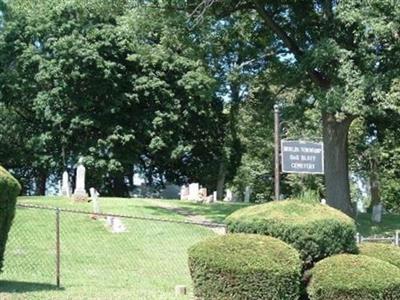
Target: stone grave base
{"points": [[80, 197]]}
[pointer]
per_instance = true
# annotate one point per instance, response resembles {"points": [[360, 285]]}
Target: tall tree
{"points": [[347, 54], [115, 84]]}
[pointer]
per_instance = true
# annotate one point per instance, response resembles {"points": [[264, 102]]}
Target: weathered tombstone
{"points": [[209, 199], [323, 201], [215, 196], [117, 225], [228, 196], [65, 189], [377, 213], [80, 192], [180, 290], [95, 201], [109, 221], [203, 193], [193, 192], [247, 194], [184, 192]]}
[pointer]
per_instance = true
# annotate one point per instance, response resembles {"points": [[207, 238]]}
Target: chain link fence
{"points": [[67, 254]]}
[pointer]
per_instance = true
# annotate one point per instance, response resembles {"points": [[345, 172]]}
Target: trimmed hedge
{"points": [[9, 190], [385, 252], [242, 266], [355, 277], [315, 230]]}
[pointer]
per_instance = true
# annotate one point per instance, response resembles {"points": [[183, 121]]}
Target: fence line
{"points": [[76, 211], [395, 240], [61, 246]]}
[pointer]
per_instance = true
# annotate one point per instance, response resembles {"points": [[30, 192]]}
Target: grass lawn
{"points": [[144, 263], [390, 223]]}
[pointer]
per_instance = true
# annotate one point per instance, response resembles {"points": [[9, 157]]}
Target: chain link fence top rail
{"points": [[101, 256]]}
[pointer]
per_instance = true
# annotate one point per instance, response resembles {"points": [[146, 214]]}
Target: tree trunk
{"points": [[119, 188], [221, 181], [375, 191], [41, 184], [335, 134]]}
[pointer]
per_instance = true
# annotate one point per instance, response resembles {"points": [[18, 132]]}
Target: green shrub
{"points": [[241, 266], [9, 190], [385, 252], [354, 277], [315, 230], [309, 196]]}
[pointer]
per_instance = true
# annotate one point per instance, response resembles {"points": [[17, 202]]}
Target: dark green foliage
{"points": [[9, 190], [240, 266], [386, 252], [127, 84], [315, 230], [354, 277]]}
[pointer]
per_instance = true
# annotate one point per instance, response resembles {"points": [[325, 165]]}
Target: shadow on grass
{"points": [[7, 286], [165, 212], [215, 212]]}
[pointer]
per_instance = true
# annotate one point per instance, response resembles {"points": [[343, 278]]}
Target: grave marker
{"points": [[80, 192]]}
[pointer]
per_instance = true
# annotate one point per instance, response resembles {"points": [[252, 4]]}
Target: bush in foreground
{"points": [[315, 230], [240, 266], [386, 252], [354, 277], [9, 190]]}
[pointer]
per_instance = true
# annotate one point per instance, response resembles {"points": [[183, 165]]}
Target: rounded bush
{"points": [[9, 190], [315, 230], [242, 266], [354, 277], [385, 252]]}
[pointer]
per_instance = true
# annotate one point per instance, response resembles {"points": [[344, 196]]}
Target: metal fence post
{"points": [[58, 247]]}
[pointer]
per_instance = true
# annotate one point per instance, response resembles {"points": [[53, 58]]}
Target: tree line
{"points": [[184, 92]]}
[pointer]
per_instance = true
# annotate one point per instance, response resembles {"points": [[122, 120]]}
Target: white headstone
{"points": [[208, 199], [323, 201], [117, 226], [184, 192], [215, 196], [228, 195], [95, 200], [80, 180], [247, 194], [65, 190], [377, 213], [194, 192]]}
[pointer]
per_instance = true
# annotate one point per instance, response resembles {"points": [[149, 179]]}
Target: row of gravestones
{"points": [[194, 192], [80, 190], [114, 223]]}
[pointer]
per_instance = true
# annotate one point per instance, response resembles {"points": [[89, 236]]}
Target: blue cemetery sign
{"points": [[302, 157]]}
